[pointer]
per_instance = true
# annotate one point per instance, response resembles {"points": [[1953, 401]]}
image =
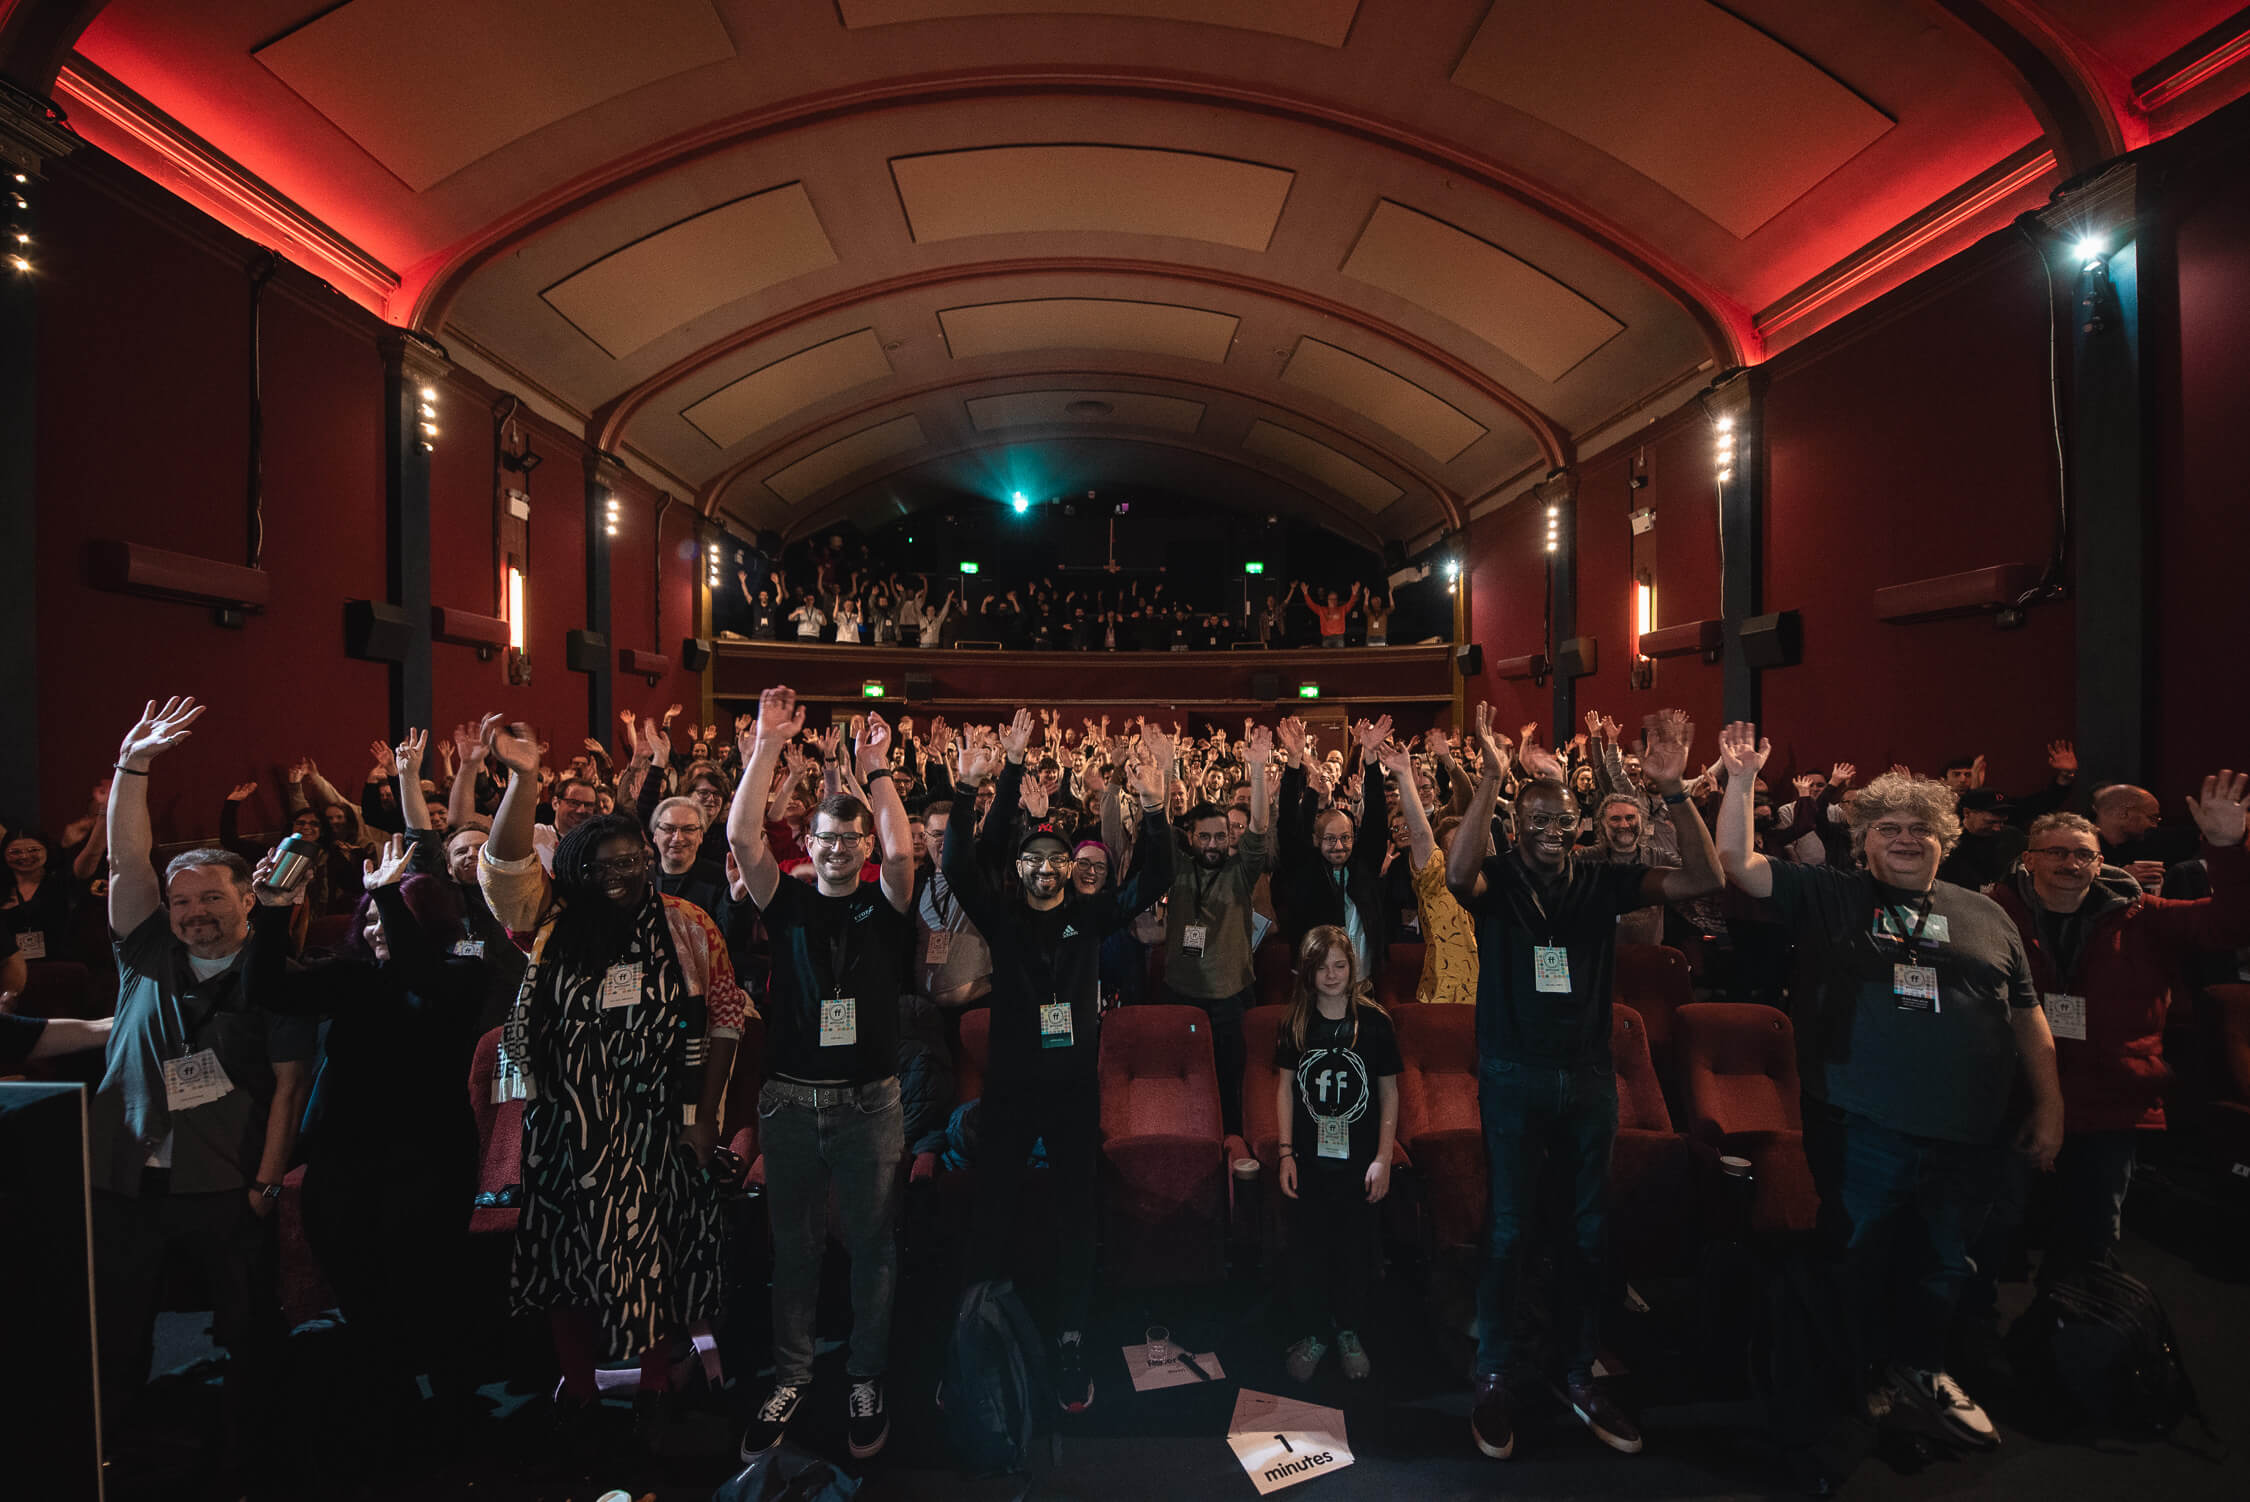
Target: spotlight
{"points": [[21, 263], [2091, 252], [1452, 569], [1021, 502]]}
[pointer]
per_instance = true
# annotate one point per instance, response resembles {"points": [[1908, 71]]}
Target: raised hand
{"points": [[1741, 752], [874, 746], [1436, 742], [594, 746], [1803, 784], [975, 757], [468, 746], [1537, 759], [261, 883], [672, 713], [1976, 771], [1160, 750], [391, 868], [1017, 736], [2220, 812], [158, 730], [1493, 744], [1034, 798], [1901, 769], [514, 746], [240, 791], [780, 716], [1669, 734], [629, 719], [1396, 760], [1841, 775], [408, 757], [1291, 734], [1371, 737], [382, 754], [2062, 756], [1258, 747]]}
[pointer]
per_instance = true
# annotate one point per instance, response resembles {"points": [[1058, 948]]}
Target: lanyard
{"points": [[1913, 941], [839, 956]]}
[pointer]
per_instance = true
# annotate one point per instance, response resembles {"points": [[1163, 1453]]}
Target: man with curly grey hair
{"points": [[1914, 1009]]}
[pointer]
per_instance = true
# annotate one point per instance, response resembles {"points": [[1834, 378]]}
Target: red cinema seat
{"points": [[1274, 966], [1438, 1121], [2225, 1118], [1401, 977], [1261, 1123], [1738, 1079], [1656, 1175], [328, 931], [1163, 1147], [1656, 980], [499, 1139], [59, 988], [976, 1052]]}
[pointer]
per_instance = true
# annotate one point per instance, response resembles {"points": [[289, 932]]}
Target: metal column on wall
{"points": [[604, 475], [1735, 406], [1557, 500], [412, 369]]}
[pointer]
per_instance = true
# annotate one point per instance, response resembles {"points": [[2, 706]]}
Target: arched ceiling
{"points": [[1370, 261]]}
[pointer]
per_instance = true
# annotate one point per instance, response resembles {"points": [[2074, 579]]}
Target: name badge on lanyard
{"points": [[1550, 968], [197, 1080], [839, 1022], [31, 944], [1055, 1030], [941, 945], [621, 986], [1335, 1137], [1915, 986], [468, 949], [2066, 1015], [1192, 938]]}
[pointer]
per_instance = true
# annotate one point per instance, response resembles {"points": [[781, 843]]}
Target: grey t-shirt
{"points": [[1942, 1071], [1218, 902]]}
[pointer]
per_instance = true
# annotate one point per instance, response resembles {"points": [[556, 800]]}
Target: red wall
{"points": [[1506, 571]]}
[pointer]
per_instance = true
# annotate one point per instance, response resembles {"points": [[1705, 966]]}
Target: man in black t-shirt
{"points": [[1547, 1092], [829, 1112], [1914, 1009], [1042, 1080]]}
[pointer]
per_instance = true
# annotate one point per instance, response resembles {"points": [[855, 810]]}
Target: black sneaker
{"points": [[867, 1424], [1492, 1421], [1074, 1385], [771, 1421], [1603, 1414]]}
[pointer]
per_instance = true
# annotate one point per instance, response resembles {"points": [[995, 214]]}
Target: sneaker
{"points": [[1353, 1355], [1304, 1358], [1937, 1394], [1492, 1421], [1601, 1413], [1074, 1385], [867, 1425], [771, 1421]]}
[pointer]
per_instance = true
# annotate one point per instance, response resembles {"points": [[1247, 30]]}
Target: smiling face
{"points": [[1090, 873], [209, 913], [371, 930], [839, 847], [1546, 824], [1332, 832], [1903, 850], [1333, 975], [339, 822], [620, 869], [578, 803], [679, 834], [1211, 843], [1043, 868], [1621, 827], [26, 856], [461, 855], [2063, 863], [305, 824]]}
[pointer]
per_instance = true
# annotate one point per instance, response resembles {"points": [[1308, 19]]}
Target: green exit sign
{"points": [[968, 568], [871, 690], [1253, 568], [1308, 690]]}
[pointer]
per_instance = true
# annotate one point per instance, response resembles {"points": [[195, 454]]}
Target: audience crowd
{"points": [[1978, 986]]}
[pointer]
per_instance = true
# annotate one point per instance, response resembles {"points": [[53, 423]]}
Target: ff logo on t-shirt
{"points": [[1332, 1082]]}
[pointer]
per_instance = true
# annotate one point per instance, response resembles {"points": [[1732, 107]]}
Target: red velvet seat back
{"points": [[1400, 975], [1157, 1073], [499, 1135], [1437, 1087], [1656, 980], [2231, 1005], [327, 931], [1738, 1068], [976, 1052], [1275, 968], [1261, 1122], [1640, 1100]]}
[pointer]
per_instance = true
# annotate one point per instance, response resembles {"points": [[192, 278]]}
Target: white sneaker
{"points": [[1304, 1359], [1353, 1355], [1943, 1399]]}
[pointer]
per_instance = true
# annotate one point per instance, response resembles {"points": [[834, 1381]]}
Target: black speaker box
{"points": [[1773, 641], [1394, 556], [920, 687], [586, 651], [1577, 658], [1469, 659], [1265, 685], [375, 631], [695, 653]]}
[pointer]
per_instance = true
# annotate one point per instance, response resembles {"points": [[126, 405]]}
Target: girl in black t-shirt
{"points": [[1337, 1101]]}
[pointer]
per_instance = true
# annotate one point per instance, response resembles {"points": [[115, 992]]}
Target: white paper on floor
{"points": [[1173, 1373], [1282, 1441]]}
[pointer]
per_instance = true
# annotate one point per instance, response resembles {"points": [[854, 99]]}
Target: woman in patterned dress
{"points": [[619, 1045]]}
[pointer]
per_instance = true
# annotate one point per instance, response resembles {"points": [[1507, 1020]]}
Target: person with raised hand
{"points": [[1916, 1016], [1546, 1089], [831, 1120], [1328, 866], [1449, 938], [1042, 1080], [619, 1044], [195, 1120]]}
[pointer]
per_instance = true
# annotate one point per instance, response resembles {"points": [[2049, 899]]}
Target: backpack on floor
{"points": [[2096, 1342], [788, 1474], [995, 1381]]}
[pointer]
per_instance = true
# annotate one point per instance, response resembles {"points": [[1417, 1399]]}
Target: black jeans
{"points": [[1548, 1132], [238, 1254], [1227, 1048], [1331, 1247], [1012, 1116]]}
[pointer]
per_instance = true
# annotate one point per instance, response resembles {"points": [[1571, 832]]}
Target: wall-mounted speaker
{"points": [[1469, 659], [1577, 658], [1265, 685], [1394, 556], [1773, 641], [695, 653], [920, 687], [586, 651], [375, 631]]}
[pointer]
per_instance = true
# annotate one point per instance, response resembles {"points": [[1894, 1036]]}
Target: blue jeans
{"points": [[1547, 1138], [1900, 1214], [858, 1148]]}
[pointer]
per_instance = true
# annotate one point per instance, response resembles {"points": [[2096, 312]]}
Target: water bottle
{"points": [[293, 863]]}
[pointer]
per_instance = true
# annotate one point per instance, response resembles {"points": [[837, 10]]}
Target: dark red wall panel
{"points": [[1507, 573]]}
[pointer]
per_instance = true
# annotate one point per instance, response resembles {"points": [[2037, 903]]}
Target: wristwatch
{"points": [[270, 1191]]}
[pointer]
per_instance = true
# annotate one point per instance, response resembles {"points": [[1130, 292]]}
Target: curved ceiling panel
{"points": [[1008, 190], [1076, 408], [765, 396], [1147, 328], [1431, 424], [1339, 472], [864, 449], [636, 295], [1685, 93], [428, 86], [1324, 21]]}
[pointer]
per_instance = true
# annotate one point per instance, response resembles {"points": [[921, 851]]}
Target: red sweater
{"points": [[2114, 1079]]}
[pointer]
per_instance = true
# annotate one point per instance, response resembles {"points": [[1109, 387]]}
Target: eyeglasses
{"points": [[679, 829], [619, 865], [2067, 855], [1563, 822], [1890, 831], [1102, 866], [582, 805], [1045, 862], [832, 840]]}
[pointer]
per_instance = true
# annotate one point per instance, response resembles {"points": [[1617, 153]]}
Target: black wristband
{"points": [[131, 771], [878, 772], [1672, 799]]}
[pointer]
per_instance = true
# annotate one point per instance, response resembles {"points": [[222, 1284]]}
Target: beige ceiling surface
{"points": [[764, 397], [1338, 471], [428, 86], [643, 291], [1711, 107], [1323, 21], [1010, 190], [823, 467], [1088, 323], [1434, 426], [1139, 409]]}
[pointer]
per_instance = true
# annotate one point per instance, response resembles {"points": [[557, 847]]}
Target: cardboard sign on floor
{"points": [[1173, 1373], [1282, 1441]]}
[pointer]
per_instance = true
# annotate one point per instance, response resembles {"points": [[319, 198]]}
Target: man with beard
{"points": [[194, 1122], [1207, 923], [1623, 842], [1042, 1079], [1546, 1089]]}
